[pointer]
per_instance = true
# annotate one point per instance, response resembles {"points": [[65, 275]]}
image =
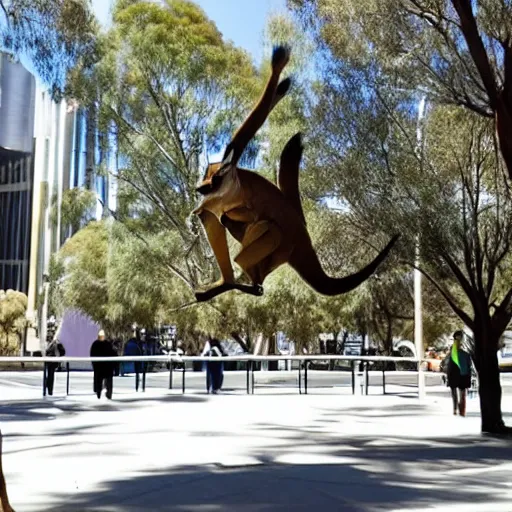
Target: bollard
{"points": [[252, 377], [300, 378], [305, 376], [183, 378], [67, 379], [44, 379], [247, 377], [358, 382], [144, 376], [383, 382], [170, 375], [353, 377]]}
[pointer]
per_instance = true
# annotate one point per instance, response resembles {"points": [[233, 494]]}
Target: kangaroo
{"points": [[4, 500], [266, 219]]}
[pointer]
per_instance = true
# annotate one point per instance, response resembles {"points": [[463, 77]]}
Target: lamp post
{"points": [[418, 302]]}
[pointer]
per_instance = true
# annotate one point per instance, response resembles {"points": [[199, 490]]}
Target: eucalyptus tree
{"points": [[13, 306], [459, 51], [53, 34]]}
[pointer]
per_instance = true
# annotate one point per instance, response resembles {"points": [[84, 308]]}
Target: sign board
{"points": [[353, 345]]}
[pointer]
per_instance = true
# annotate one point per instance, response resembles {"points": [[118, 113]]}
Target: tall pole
{"points": [[418, 302]]}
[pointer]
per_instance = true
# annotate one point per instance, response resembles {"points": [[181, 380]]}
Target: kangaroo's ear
{"points": [[226, 163]]}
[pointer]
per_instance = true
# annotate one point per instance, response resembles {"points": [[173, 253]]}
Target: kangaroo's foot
{"points": [[214, 291]]}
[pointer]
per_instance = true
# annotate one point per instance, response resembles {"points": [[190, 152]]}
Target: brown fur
{"points": [[267, 220], [4, 499]]}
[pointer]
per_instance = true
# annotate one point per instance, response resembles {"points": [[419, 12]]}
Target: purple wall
{"points": [[77, 334]]}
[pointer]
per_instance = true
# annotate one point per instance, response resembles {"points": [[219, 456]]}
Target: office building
{"points": [[42, 154]]}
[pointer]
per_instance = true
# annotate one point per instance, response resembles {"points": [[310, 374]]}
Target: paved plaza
{"points": [[275, 450]]}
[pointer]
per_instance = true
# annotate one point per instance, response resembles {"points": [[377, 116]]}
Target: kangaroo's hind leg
{"points": [[260, 241]]}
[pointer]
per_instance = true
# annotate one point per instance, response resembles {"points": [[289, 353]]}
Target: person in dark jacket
{"points": [[103, 370], [214, 369], [54, 349], [459, 373], [133, 348]]}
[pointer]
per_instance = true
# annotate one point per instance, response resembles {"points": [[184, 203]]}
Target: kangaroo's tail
{"points": [[306, 264]]}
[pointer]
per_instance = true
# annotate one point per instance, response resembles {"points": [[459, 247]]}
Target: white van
{"points": [[505, 351]]}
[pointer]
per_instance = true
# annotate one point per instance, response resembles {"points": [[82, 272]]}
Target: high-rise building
{"points": [[17, 95], [42, 154]]}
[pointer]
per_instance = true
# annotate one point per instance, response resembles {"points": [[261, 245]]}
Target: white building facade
{"points": [[42, 154]]}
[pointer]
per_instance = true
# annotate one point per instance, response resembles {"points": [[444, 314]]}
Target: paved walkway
{"points": [[251, 453]]}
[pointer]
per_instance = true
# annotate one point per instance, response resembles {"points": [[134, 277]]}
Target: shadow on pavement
{"points": [[365, 478], [50, 407], [310, 470]]}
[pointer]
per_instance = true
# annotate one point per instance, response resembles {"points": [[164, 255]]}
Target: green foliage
{"points": [[450, 191], [56, 273], [413, 44], [54, 34], [174, 91], [116, 278], [13, 306], [76, 206], [85, 259]]}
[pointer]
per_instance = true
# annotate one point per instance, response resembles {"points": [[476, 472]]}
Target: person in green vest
{"points": [[459, 373]]}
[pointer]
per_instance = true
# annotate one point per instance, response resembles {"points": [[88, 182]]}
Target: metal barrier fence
{"points": [[355, 367]]}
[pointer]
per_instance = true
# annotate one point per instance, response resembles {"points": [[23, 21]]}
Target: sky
{"points": [[241, 21]]}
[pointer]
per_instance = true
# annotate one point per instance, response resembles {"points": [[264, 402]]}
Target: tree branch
{"points": [[236, 336], [461, 278], [503, 314], [476, 48], [446, 295], [4, 9], [507, 82], [171, 267]]}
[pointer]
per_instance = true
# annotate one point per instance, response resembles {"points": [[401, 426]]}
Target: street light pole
{"points": [[418, 301]]}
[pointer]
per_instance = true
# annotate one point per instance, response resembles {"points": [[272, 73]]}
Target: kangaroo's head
{"points": [[214, 175]]}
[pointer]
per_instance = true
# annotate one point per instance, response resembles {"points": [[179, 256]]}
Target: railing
{"points": [[355, 361]]}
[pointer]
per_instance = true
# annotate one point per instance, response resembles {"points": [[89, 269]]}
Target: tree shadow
{"points": [[49, 408], [374, 479], [310, 470]]}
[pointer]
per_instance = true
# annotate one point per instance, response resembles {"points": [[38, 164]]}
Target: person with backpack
{"points": [[458, 371], [214, 369]]}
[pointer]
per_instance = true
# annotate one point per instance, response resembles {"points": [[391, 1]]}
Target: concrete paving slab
{"points": [[198, 452]]}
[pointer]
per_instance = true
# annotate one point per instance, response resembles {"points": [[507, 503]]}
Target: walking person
{"points": [[459, 373], [54, 349], [103, 370], [133, 348], [214, 369]]}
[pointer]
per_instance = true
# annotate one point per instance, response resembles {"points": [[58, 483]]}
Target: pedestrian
{"points": [[103, 370], [459, 373], [54, 349], [214, 369], [134, 349]]}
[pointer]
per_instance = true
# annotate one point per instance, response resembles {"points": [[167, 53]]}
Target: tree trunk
{"points": [[238, 338], [486, 362], [503, 127], [90, 148], [272, 350]]}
